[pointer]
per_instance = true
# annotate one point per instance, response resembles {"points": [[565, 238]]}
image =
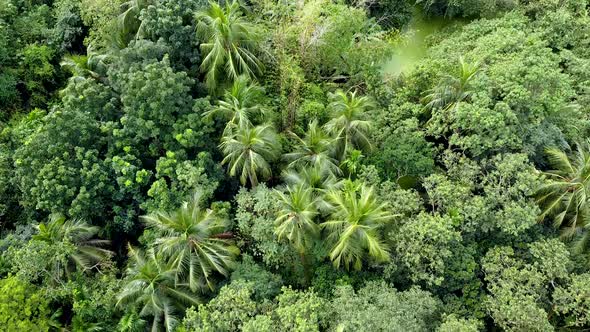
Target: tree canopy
{"points": [[320, 165]]}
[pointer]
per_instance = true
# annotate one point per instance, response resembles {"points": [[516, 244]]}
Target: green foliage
{"points": [[37, 72], [68, 33], [572, 301], [403, 151], [379, 307], [235, 310], [150, 112], [23, 307], [94, 301], [228, 311], [413, 137], [255, 216], [424, 246], [519, 289], [454, 324], [332, 40], [58, 168], [172, 21], [265, 285]]}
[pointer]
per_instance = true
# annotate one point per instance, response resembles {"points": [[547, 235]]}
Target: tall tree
{"points": [[151, 288], [129, 25], [348, 124], [313, 149], [565, 197], [195, 241], [240, 104], [318, 178], [249, 152], [452, 88], [295, 219], [228, 43], [87, 251], [354, 224]]}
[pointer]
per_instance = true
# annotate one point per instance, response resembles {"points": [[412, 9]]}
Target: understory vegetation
{"points": [[320, 165]]}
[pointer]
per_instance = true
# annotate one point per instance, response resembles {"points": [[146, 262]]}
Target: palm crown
{"points": [[239, 105], [348, 124], [194, 241], [228, 41], [452, 89], [295, 219], [76, 232], [249, 151], [152, 288], [313, 150], [565, 196], [353, 226]]}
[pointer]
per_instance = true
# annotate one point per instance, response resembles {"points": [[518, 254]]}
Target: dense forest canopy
{"points": [[276, 165]]}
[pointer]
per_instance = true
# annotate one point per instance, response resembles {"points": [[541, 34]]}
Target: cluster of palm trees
{"points": [[250, 145], [192, 247], [353, 221], [319, 159]]}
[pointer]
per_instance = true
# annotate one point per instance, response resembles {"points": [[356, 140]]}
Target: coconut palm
{"points": [[86, 252], [348, 124], [354, 224], [85, 66], [240, 105], [151, 288], [313, 150], [228, 43], [318, 178], [352, 163], [249, 151], [452, 89], [295, 219], [194, 241], [129, 26], [565, 197]]}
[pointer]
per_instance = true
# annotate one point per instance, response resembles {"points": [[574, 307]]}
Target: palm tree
{"points": [[194, 241], [240, 105], [318, 178], [565, 197], [295, 219], [150, 286], [352, 163], [313, 150], [452, 89], [85, 66], [129, 26], [86, 252], [348, 125], [228, 42], [354, 224], [249, 152]]}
